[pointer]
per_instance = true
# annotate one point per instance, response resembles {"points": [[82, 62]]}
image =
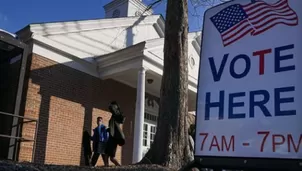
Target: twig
{"points": [[151, 5]]}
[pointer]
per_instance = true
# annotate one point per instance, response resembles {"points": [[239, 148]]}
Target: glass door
{"points": [[149, 132]]}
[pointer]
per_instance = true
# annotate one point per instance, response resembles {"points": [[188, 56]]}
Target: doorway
{"points": [[149, 132]]}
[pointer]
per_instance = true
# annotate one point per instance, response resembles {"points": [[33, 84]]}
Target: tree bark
{"points": [[171, 145]]}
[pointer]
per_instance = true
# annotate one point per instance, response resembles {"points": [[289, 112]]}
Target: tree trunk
{"points": [[171, 145]]}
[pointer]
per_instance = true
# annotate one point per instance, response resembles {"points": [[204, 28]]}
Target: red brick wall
{"points": [[67, 102]]}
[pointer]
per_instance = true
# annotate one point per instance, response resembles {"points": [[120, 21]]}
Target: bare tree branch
{"points": [[151, 5], [197, 14], [204, 3]]}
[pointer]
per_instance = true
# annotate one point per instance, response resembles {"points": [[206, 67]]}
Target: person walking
{"points": [[99, 138], [116, 135], [111, 149]]}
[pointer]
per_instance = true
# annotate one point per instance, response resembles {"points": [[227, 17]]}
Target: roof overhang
{"points": [[140, 55], [52, 28], [104, 66], [121, 60]]}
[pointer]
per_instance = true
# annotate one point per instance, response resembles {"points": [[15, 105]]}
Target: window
{"points": [[152, 134], [145, 137], [150, 117], [149, 131]]}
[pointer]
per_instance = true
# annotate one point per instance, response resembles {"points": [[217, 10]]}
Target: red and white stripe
{"points": [[261, 17], [236, 32], [264, 16]]}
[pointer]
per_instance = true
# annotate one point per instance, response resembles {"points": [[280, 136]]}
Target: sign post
{"points": [[249, 100]]}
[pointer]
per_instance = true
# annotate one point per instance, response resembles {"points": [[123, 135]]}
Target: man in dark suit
{"points": [[99, 138]]}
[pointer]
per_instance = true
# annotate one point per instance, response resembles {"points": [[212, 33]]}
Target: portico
{"points": [[140, 66]]}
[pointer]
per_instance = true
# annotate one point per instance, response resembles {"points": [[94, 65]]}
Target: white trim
{"points": [[120, 55], [65, 60], [151, 61], [8, 33], [195, 38], [154, 68], [194, 35], [192, 88], [159, 42], [88, 25], [121, 60], [141, 6], [161, 24], [60, 47], [110, 71], [159, 30], [192, 113], [154, 43]]}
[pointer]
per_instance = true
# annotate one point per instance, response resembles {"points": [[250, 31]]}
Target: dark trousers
{"points": [[101, 146], [95, 158], [87, 158]]}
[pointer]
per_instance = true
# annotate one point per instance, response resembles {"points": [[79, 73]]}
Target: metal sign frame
{"points": [[238, 163], [10, 39]]}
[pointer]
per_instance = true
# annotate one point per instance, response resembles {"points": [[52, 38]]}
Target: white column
{"points": [[139, 116]]}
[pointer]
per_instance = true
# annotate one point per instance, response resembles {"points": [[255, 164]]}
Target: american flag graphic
{"points": [[236, 21]]}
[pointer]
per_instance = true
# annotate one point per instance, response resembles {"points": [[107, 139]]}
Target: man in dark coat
{"points": [[99, 138]]}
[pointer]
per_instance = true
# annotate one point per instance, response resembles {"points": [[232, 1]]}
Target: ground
{"points": [[13, 166]]}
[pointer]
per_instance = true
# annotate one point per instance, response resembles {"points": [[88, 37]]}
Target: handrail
{"points": [[9, 114], [21, 139]]}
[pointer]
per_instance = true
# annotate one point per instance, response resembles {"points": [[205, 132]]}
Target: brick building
{"points": [[76, 68]]}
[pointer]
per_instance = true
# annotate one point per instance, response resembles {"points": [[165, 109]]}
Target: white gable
{"points": [[100, 42], [108, 46], [91, 38]]}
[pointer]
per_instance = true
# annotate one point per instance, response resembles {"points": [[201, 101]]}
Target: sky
{"points": [[16, 14]]}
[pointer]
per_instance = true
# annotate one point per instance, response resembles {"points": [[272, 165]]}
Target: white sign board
{"points": [[250, 80]]}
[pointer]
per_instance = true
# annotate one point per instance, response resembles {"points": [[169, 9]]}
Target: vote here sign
{"points": [[249, 100]]}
